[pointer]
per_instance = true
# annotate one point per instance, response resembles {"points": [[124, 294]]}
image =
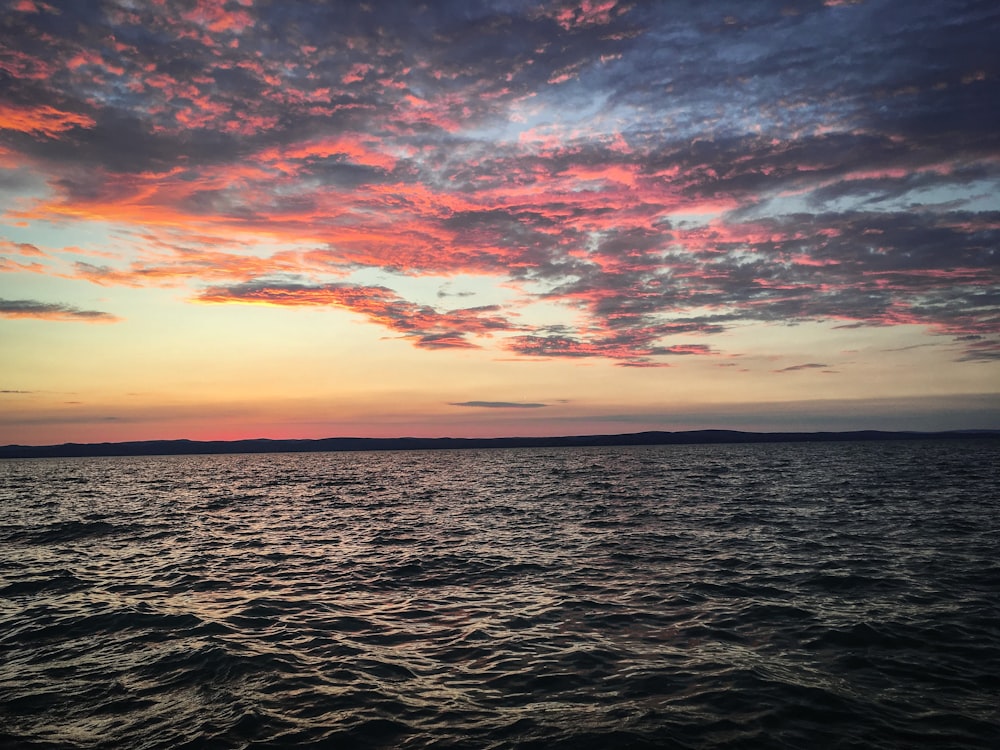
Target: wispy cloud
{"points": [[498, 404], [26, 308], [807, 366], [426, 326]]}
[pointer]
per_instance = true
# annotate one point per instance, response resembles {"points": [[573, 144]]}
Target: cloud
{"points": [[425, 326], [41, 120], [21, 248], [498, 404], [648, 172], [630, 348], [807, 366], [24, 308], [981, 351]]}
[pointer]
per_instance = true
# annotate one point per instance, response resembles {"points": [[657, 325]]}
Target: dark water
{"points": [[798, 595]]}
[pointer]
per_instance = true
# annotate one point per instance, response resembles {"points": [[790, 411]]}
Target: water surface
{"points": [[784, 595]]}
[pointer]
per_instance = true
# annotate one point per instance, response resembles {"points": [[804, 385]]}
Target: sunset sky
{"points": [[307, 219]]}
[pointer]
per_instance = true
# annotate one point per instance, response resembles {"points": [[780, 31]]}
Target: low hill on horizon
{"points": [[266, 445]]}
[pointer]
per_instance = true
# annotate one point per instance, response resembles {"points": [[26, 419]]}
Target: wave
{"points": [[697, 597]]}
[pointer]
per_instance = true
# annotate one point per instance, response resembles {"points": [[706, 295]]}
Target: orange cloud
{"points": [[21, 248], [42, 119], [423, 325], [359, 149]]}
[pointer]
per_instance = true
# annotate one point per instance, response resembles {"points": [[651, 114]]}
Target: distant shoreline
{"points": [[263, 445]]}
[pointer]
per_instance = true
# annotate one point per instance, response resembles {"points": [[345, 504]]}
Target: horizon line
{"points": [[187, 446]]}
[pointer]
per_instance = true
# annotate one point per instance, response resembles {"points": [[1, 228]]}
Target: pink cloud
{"points": [[425, 326], [21, 248], [360, 150], [357, 73], [41, 119], [212, 15], [585, 13]]}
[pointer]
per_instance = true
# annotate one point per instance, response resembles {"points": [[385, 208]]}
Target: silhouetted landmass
{"points": [[193, 447]]}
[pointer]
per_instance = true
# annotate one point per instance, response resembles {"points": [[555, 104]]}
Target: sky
{"points": [[293, 219]]}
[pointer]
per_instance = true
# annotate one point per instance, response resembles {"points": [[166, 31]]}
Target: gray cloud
{"points": [[498, 404], [25, 308], [807, 366]]}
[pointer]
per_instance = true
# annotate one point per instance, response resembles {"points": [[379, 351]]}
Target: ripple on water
{"points": [[835, 595]]}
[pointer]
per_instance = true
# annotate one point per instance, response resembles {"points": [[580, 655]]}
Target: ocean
{"points": [[828, 595]]}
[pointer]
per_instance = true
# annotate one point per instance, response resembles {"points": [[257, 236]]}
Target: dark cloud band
{"points": [[24, 308]]}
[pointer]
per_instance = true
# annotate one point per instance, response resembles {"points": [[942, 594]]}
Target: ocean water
{"points": [[839, 595]]}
